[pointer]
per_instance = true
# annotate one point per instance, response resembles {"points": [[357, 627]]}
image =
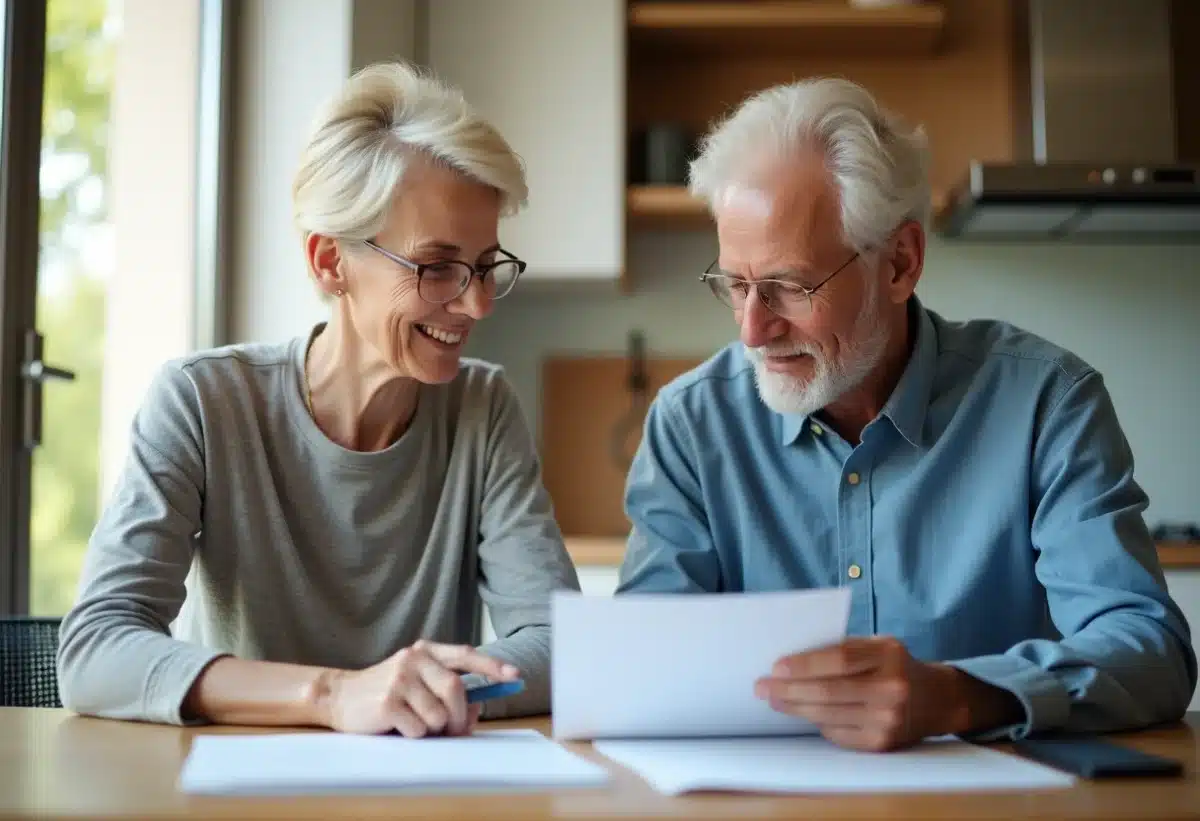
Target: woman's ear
{"points": [[325, 262]]}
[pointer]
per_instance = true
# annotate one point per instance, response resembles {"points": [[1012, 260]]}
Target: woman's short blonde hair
{"points": [[363, 139]]}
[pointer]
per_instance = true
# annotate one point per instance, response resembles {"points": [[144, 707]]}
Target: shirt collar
{"points": [[791, 426], [909, 402], [907, 405]]}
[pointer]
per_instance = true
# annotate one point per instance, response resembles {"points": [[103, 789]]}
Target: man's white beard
{"points": [[831, 380]]}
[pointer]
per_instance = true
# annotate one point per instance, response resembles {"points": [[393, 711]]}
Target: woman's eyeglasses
{"points": [[446, 280]]}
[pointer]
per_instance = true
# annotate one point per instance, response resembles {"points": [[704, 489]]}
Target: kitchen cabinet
{"points": [[1184, 586], [551, 76], [598, 580], [592, 415], [572, 84], [950, 65]]}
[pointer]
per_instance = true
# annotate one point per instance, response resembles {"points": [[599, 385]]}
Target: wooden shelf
{"points": [[650, 206], [967, 94], [603, 551], [807, 27]]}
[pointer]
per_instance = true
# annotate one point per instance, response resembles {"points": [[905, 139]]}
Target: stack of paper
{"points": [[331, 762], [814, 765], [665, 685]]}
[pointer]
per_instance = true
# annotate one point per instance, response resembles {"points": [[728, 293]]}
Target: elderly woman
{"points": [[302, 532]]}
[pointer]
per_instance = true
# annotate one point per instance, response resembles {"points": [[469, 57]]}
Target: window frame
{"points": [[21, 104]]}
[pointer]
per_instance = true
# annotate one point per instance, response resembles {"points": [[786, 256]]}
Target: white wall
{"points": [[152, 177], [386, 30], [294, 55]]}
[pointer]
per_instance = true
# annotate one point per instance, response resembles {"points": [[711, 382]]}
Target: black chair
{"points": [[28, 675]]}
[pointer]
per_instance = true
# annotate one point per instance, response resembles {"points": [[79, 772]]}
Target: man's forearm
{"points": [[262, 693]]}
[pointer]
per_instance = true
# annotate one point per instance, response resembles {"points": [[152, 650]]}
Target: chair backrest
{"points": [[28, 672]]}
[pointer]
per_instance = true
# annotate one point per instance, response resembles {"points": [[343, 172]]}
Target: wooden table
{"points": [[54, 764]]}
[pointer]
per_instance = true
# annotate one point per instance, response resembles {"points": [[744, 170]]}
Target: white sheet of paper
{"points": [[669, 666], [295, 763], [810, 764]]}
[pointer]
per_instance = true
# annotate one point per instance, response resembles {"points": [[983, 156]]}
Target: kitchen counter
{"points": [[1179, 555], [596, 551], [606, 551]]}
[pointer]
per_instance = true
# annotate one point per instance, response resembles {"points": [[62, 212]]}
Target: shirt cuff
{"points": [[1045, 700]]}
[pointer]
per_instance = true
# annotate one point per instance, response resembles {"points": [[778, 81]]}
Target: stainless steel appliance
{"points": [[1107, 104]]}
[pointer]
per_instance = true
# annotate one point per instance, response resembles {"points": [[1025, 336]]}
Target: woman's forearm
{"points": [[262, 693]]}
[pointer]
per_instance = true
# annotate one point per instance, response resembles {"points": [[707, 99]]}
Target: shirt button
{"points": [[854, 571], [852, 478], [817, 429]]}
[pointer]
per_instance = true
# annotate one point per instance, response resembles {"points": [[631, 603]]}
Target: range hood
{"points": [[1106, 100]]}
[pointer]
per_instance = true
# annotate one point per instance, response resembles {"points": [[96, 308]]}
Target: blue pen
{"points": [[497, 690]]}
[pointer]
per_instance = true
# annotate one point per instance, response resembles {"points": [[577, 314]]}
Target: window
{"points": [[130, 113]]}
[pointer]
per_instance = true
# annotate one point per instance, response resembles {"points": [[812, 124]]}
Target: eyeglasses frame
{"points": [[707, 277], [480, 271]]}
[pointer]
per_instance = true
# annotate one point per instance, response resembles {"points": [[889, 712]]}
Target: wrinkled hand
{"points": [[866, 694], [417, 692]]}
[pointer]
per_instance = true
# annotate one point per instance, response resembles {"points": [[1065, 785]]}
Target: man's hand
{"points": [[870, 694], [417, 692]]}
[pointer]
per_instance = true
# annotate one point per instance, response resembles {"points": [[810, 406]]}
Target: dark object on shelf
{"points": [[660, 153], [1173, 532], [28, 672], [639, 402]]}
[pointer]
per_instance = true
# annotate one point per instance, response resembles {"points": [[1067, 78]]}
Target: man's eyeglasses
{"points": [[787, 299], [447, 279]]}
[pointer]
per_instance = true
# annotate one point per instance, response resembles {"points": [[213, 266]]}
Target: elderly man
{"points": [[968, 481]]}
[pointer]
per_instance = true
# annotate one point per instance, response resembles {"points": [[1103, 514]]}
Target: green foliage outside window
{"points": [[81, 46]]}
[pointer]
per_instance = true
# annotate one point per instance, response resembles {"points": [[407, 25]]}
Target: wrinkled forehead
{"points": [[791, 216]]}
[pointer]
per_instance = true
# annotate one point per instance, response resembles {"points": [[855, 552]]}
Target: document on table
{"points": [[813, 765], [643, 666], [296, 763]]}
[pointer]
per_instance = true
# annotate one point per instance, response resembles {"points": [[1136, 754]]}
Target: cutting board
{"points": [[591, 426]]}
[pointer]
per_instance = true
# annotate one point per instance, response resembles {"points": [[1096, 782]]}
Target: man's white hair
{"points": [[879, 166], [386, 115]]}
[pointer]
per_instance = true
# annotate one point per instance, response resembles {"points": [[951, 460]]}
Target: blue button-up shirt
{"points": [[989, 518]]}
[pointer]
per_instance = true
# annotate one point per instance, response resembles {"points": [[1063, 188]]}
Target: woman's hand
{"points": [[416, 692]]}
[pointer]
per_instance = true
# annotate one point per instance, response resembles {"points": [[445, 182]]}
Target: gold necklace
{"points": [[308, 400]]}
